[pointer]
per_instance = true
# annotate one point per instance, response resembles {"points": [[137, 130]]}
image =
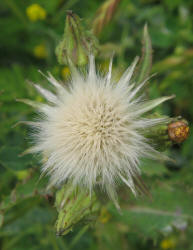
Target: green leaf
{"points": [[9, 158], [151, 168], [146, 58], [149, 218], [39, 216], [1, 220], [31, 188]]}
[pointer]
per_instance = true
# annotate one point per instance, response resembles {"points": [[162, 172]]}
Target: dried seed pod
{"points": [[178, 131]]}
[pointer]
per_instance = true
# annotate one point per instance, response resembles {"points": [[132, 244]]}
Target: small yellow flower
{"points": [[39, 99], [104, 216], [22, 174], [65, 72], [35, 12], [169, 243], [40, 51]]}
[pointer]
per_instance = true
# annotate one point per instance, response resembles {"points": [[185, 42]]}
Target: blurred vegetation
{"points": [[30, 31]]}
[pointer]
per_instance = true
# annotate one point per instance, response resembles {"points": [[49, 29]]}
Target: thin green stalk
{"points": [[14, 8], [78, 236]]}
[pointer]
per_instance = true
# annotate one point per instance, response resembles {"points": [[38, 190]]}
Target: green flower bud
{"points": [[74, 205], [76, 43], [175, 130]]}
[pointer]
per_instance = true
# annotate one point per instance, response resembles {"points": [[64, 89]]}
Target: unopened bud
{"points": [[76, 43], [178, 131], [74, 205]]}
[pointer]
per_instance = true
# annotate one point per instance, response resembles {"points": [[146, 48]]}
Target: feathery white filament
{"points": [[92, 134]]}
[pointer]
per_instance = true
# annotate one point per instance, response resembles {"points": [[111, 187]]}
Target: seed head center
{"points": [[100, 121]]}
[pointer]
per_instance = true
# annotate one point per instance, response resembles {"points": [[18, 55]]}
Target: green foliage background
{"points": [[27, 214]]}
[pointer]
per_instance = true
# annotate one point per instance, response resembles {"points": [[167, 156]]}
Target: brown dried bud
{"points": [[178, 131]]}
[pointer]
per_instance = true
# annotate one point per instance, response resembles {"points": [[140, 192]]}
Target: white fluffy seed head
{"points": [[93, 133]]}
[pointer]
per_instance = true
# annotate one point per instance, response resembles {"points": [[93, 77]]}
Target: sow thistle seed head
{"points": [[93, 132]]}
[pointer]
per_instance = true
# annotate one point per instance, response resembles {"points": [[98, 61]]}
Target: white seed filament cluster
{"points": [[93, 133]]}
